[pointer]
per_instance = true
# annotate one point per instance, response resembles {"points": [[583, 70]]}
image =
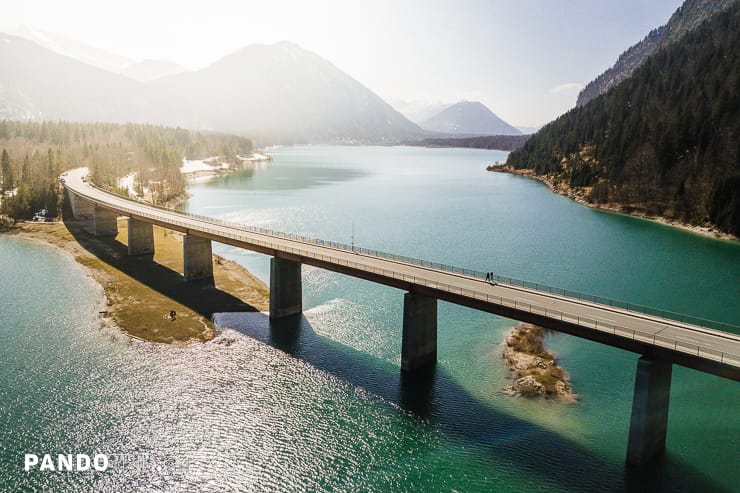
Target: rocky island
{"points": [[534, 368]]}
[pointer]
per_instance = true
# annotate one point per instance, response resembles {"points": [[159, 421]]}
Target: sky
{"points": [[524, 59]]}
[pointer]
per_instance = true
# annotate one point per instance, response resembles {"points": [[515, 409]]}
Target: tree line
{"points": [[665, 141], [34, 154]]}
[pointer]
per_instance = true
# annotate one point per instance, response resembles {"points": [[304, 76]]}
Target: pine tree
{"points": [[7, 169], [26, 171]]}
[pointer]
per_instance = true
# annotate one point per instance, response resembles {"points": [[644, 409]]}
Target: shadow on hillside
{"points": [[434, 397]]}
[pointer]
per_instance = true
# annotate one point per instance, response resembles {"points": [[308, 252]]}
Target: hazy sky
{"points": [[525, 59]]}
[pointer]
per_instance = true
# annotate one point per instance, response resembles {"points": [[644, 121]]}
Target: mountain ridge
{"points": [[687, 17], [42, 84], [73, 48]]}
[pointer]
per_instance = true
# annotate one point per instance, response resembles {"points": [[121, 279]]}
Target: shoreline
{"points": [[137, 301], [138, 304], [706, 231], [213, 167]]}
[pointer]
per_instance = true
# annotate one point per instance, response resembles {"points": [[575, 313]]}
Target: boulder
{"points": [[529, 386]]}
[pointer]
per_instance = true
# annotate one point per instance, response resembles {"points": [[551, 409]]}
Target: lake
{"points": [[321, 404]]}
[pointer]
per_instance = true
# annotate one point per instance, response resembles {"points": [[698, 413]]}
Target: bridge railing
{"points": [[590, 322], [234, 231], [539, 287]]}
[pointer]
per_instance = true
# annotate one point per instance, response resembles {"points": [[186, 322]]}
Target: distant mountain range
{"points": [[145, 70], [280, 93], [37, 83], [275, 94], [688, 16], [468, 118], [72, 48], [664, 141]]}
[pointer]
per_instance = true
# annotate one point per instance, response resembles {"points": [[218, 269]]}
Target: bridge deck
{"points": [[702, 348]]}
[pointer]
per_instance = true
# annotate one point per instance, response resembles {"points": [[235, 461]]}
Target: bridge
{"points": [[661, 338]]}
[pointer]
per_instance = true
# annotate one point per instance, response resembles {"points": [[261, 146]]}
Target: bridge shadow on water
{"points": [[434, 396]]}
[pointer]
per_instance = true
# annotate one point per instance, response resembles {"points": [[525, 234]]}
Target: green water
{"points": [[320, 404]]}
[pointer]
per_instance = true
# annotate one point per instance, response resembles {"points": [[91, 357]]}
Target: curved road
{"points": [[709, 350]]}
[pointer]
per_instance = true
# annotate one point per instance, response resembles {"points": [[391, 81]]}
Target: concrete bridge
{"points": [[661, 338]]}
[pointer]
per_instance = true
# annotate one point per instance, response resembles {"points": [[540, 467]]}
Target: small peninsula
{"points": [[142, 291]]}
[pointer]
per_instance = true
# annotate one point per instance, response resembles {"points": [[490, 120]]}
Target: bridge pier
{"points": [[649, 410], [72, 199], [105, 222], [419, 339], [140, 237], [198, 258], [82, 209], [286, 297]]}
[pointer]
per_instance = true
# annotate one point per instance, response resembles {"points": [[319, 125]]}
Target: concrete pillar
{"points": [[82, 209], [140, 237], [649, 410], [72, 205], [286, 297], [105, 222], [198, 258], [419, 339]]}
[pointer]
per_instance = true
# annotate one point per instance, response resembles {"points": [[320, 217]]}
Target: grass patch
{"points": [[530, 340]]}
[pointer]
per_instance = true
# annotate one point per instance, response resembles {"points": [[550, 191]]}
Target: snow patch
{"points": [[200, 165], [127, 182]]}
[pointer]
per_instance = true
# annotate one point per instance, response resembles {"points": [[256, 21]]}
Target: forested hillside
{"points": [[34, 154], [498, 142], [688, 16], [666, 141]]}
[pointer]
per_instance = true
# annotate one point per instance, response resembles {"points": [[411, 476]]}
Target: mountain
{"points": [[664, 142], [37, 83], [148, 70], [468, 118], [283, 93], [418, 111], [688, 16], [72, 48], [277, 94]]}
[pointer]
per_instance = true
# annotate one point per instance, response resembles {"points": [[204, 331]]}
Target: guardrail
{"points": [[594, 323]]}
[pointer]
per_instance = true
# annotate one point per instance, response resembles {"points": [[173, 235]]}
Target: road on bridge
{"points": [[691, 345]]}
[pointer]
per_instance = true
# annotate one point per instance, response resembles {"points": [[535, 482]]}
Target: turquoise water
{"points": [[320, 404]]}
